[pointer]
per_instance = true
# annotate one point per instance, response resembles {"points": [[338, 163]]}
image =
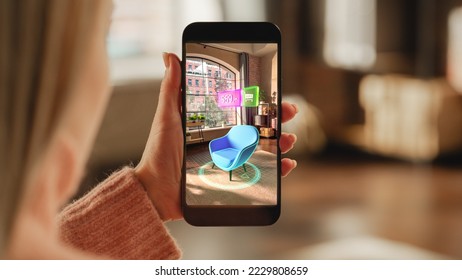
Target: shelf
{"points": [[194, 140], [195, 124]]}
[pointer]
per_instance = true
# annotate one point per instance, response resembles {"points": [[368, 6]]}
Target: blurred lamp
{"points": [[454, 64], [349, 39]]}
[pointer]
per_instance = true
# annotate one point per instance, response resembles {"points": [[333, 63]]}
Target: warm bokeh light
{"points": [[349, 38]]}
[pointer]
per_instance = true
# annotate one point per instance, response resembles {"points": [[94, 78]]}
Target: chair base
{"points": [[231, 172]]}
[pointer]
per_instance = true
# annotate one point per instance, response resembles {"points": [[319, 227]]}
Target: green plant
{"points": [[201, 117], [262, 95], [193, 117]]}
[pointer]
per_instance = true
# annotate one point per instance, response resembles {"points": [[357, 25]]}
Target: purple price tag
{"points": [[229, 98]]}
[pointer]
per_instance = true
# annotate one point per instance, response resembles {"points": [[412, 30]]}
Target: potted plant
{"points": [[193, 118], [201, 119]]}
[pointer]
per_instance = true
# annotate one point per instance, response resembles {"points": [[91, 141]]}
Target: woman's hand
{"points": [[160, 167], [287, 140]]}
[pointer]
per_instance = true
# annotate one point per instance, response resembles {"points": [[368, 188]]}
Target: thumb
{"points": [[169, 96]]}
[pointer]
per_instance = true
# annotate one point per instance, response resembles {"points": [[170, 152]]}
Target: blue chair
{"points": [[235, 148]]}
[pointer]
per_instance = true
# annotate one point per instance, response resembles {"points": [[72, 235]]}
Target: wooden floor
{"points": [[346, 194]]}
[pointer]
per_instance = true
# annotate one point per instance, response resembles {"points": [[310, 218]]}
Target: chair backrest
{"points": [[241, 136]]}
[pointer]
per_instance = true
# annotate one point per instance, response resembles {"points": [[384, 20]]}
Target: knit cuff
{"points": [[117, 220]]}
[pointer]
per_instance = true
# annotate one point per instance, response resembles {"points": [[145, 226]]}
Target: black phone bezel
{"points": [[231, 32]]}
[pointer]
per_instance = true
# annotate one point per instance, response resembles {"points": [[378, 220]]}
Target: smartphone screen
{"points": [[231, 121]]}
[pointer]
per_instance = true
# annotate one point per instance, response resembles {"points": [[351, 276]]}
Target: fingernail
{"points": [[295, 107], [294, 137], [166, 58], [294, 162]]}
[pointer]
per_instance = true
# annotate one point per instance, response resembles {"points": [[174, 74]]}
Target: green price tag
{"points": [[250, 96]]}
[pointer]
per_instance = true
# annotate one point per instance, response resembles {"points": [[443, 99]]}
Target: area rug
{"points": [[211, 186]]}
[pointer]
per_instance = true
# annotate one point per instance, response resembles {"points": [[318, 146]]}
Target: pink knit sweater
{"points": [[117, 220]]}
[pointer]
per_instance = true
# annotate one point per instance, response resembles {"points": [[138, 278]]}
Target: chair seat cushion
{"points": [[225, 157]]}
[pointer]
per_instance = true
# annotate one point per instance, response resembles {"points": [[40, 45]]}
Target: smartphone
{"points": [[231, 112]]}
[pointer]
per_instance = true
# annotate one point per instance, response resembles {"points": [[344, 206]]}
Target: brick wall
{"points": [[254, 71]]}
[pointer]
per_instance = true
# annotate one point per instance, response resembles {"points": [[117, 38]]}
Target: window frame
{"points": [[210, 77]]}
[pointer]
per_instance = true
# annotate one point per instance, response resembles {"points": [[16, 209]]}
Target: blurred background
{"points": [[379, 88]]}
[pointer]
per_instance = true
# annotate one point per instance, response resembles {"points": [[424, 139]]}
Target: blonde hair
{"points": [[41, 46]]}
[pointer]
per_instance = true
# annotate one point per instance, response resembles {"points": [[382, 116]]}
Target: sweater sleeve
{"points": [[117, 219]]}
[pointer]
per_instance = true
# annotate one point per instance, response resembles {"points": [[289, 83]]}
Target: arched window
{"points": [[201, 97]]}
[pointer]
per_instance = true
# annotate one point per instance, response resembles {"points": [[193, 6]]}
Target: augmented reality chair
{"points": [[235, 148]]}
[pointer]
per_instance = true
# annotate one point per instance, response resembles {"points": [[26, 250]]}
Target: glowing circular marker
{"points": [[229, 185]]}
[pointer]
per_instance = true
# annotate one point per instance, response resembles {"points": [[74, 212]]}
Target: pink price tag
{"points": [[230, 98]]}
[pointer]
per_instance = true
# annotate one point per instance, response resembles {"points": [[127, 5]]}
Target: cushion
{"points": [[224, 158]]}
